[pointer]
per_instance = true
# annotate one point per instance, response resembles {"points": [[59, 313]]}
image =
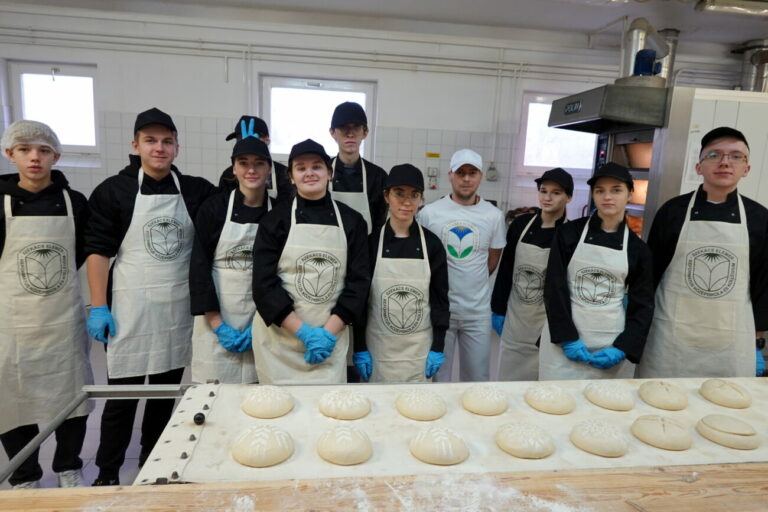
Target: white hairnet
{"points": [[30, 132]]}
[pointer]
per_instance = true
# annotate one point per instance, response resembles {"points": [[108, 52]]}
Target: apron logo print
{"points": [[240, 258], [710, 272], [402, 308], [595, 286], [43, 268], [316, 276], [528, 284], [163, 238], [460, 238]]}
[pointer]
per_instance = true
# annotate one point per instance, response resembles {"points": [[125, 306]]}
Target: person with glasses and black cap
{"points": [[710, 253], [279, 186], [310, 278], [592, 330], [408, 308], [517, 301], [142, 217], [220, 283]]}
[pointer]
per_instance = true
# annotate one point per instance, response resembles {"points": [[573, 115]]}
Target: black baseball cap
{"points": [[251, 146], [252, 124], [348, 113], [559, 176], [405, 175], [309, 147], [612, 170], [153, 116], [722, 132]]}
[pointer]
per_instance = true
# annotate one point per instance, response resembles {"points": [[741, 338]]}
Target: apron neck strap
{"points": [[362, 165], [527, 227], [9, 211]]}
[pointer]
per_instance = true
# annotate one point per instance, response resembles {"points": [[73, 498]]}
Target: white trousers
{"points": [[473, 338]]}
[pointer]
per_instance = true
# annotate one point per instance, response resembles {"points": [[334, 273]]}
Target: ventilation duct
{"points": [[670, 36], [749, 7], [754, 65], [639, 36]]}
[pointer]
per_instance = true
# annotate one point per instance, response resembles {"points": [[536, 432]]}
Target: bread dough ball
{"points": [[726, 393], [345, 446], [484, 399], [262, 446], [438, 445], [344, 404], [600, 438], [267, 402], [550, 398], [663, 395], [661, 432], [524, 440], [420, 404], [728, 431], [610, 394]]}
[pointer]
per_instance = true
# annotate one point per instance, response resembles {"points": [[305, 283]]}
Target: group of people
{"points": [[331, 270]]}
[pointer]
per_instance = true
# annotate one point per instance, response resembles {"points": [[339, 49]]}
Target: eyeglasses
{"points": [[414, 196], [717, 156]]}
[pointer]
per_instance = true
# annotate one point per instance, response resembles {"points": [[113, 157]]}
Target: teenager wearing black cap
{"points": [[594, 262], [408, 307], [517, 301], [279, 186], [310, 278], [356, 182], [711, 272], [142, 217], [220, 279]]}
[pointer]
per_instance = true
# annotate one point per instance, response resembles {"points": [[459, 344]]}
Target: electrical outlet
{"points": [[432, 172]]}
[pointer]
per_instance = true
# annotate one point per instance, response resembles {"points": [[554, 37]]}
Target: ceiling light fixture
{"points": [[748, 7]]}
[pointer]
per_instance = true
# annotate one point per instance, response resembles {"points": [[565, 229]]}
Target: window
{"points": [[60, 96], [299, 108]]}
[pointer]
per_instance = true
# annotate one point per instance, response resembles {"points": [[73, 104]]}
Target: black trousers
{"points": [[117, 422], [69, 441]]}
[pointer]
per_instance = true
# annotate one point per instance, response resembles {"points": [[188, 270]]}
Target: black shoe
{"points": [[105, 481], [143, 456]]}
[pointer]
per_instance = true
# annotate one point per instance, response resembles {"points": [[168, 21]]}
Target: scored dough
{"points": [[524, 440], [267, 402], [262, 446], [420, 404], [344, 404], [661, 432], [344, 446], [728, 431], [549, 398], [600, 438], [610, 394], [725, 393], [438, 445], [663, 395], [484, 399]]}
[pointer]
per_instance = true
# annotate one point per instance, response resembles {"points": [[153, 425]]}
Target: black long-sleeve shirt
{"points": [[209, 223], [272, 300], [375, 177], [410, 247], [285, 189], [668, 223], [47, 202], [536, 235], [639, 282]]}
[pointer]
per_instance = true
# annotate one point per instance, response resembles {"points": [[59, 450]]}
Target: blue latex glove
{"points": [[434, 361], [99, 321], [247, 340], [364, 364], [760, 367], [625, 301], [248, 132], [229, 337], [319, 343], [497, 321], [607, 358], [576, 351]]}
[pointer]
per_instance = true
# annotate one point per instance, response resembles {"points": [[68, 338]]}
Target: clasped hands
{"points": [[603, 359]]}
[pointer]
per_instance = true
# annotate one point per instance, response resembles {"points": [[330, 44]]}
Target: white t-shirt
{"points": [[467, 232]]}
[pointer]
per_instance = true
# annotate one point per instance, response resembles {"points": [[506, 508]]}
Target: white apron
{"points": [[703, 325], [232, 270], [399, 331], [272, 192], [312, 268], [526, 315], [358, 201], [44, 344], [150, 288], [596, 282]]}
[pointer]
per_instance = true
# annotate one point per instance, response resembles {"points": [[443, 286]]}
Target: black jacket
{"points": [[376, 178]]}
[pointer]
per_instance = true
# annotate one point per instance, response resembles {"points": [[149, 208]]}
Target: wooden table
{"points": [[700, 488]]}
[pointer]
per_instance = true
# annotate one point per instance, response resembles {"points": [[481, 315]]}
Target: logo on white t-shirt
{"points": [[317, 273], [710, 271], [402, 308], [240, 257], [461, 239], [595, 286], [528, 284], [43, 268], [164, 238]]}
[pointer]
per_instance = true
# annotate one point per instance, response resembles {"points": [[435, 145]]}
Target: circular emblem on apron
{"points": [[710, 271], [43, 268], [461, 239], [594, 286], [164, 238], [316, 276], [239, 258], [528, 284], [402, 308]]}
